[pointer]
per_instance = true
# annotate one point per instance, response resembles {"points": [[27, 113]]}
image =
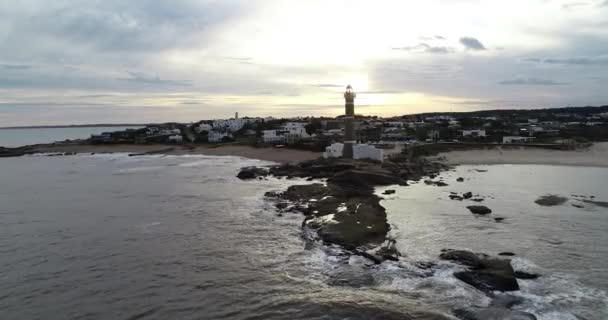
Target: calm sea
{"points": [[22, 137], [179, 237]]}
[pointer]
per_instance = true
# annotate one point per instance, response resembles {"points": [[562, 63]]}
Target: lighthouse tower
{"points": [[349, 118]]}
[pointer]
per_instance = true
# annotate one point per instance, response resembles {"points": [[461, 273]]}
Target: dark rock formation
{"points": [[456, 197], [460, 179], [345, 211], [252, 173], [507, 254], [387, 192], [486, 274], [467, 195], [480, 210], [436, 183], [15, 152], [551, 200], [499, 219], [525, 275], [603, 204]]}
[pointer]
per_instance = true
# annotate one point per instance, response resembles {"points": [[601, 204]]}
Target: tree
{"points": [[313, 126]]}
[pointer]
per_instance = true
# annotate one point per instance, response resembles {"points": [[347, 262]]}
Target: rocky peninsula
{"points": [[344, 210], [341, 207]]}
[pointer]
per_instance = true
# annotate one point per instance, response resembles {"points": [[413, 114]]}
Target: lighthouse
{"points": [[349, 118]]}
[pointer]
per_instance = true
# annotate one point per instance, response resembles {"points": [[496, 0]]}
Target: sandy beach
{"points": [[594, 156], [281, 155]]}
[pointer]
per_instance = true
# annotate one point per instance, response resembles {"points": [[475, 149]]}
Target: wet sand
{"points": [[281, 155], [594, 156]]}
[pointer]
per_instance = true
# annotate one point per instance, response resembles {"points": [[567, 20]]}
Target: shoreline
{"points": [[280, 155], [593, 156]]}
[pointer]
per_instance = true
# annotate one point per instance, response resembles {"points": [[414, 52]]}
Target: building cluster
{"points": [[375, 137]]}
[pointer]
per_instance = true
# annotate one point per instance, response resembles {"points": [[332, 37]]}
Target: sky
{"points": [[138, 61]]}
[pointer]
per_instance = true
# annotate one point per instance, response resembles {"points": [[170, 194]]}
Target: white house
{"points": [[290, 131], [296, 128], [176, 138], [360, 151], [217, 136], [274, 136], [203, 127], [517, 139], [474, 133], [334, 151], [233, 125]]}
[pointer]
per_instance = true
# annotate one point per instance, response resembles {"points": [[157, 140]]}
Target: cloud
{"points": [[328, 85], [574, 5], [140, 77], [425, 48], [583, 61], [530, 82], [471, 43], [14, 67], [432, 38]]}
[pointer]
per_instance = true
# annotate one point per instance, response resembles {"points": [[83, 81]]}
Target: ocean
{"points": [[180, 237], [11, 138]]}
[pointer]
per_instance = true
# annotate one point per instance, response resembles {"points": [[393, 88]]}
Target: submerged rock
{"points": [[461, 179], [551, 200], [387, 192], [499, 219], [507, 254], [467, 195], [486, 274], [480, 210]]}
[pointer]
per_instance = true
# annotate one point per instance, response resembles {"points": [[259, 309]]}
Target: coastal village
{"points": [[378, 138]]}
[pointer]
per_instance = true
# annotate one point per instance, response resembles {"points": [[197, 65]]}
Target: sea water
{"points": [[180, 237], [18, 137]]}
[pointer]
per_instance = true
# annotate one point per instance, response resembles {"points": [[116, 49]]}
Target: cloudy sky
{"points": [[117, 61]]}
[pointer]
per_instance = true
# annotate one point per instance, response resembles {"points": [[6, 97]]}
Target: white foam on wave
{"points": [[558, 296]]}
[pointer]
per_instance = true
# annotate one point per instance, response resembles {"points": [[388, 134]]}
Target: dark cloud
{"points": [[530, 82], [471, 43], [139, 77], [14, 67], [600, 60], [425, 48]]}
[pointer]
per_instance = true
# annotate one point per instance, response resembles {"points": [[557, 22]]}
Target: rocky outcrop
{"points": [[252, 173], [550, 200], [479, 210], [15, 152], [486, 274], [344, 211]]}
